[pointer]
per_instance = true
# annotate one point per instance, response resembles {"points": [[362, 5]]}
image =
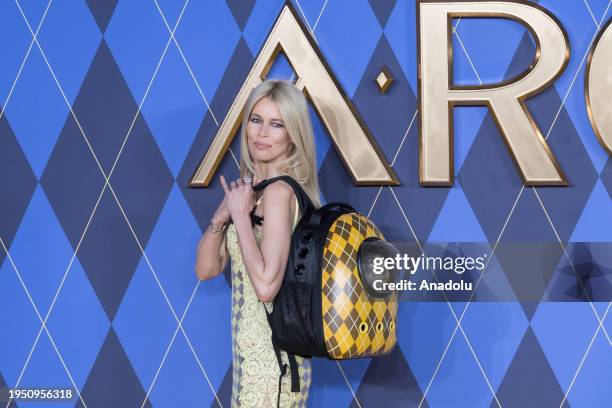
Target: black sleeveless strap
{"points": [[283, 371], [293, 366], [295, 375], [295, 378], [305, 204]]}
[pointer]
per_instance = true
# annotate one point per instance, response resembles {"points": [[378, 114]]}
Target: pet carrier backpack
{"points": [[326, 305]]}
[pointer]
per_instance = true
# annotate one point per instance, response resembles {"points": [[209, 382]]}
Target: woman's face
{"points": [[267, 136]]}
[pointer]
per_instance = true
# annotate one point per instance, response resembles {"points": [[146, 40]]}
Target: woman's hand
{"points": [[222, 214], [239, 198]]}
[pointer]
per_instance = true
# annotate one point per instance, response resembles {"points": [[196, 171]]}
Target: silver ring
{"points": [[247, 179]]}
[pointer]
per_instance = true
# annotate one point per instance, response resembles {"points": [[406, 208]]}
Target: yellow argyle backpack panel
{"points": [[355, 324]]}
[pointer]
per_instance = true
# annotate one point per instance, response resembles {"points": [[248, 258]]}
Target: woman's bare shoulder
{"points": [[279, 190]]}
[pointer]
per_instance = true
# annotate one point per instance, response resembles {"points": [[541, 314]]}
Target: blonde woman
{"points": [[276, 139]]}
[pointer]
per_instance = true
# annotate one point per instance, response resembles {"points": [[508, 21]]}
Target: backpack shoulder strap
{"points": [[304, 201]]}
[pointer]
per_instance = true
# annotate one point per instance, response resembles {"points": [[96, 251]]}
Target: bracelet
{"points": [[216, 230]]}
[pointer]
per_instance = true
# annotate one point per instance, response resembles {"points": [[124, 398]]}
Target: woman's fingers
{"points": [[248, 185], [224, 185]]}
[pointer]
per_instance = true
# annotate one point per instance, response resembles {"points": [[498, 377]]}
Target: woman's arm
{"points": [[210, 260], [265, 264], [210, 256]]}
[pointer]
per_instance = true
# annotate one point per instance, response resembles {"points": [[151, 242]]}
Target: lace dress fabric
{"points": [[255, 370]]}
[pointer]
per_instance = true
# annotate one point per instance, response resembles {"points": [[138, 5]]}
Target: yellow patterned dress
{"points": [[255, 370]]}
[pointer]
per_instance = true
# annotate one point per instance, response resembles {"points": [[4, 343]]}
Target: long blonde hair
{"points": [[301, 164]]}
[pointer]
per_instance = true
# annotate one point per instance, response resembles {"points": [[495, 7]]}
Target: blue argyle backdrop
{"points": [[107, 109]]}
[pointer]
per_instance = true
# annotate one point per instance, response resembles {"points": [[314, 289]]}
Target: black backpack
{"points": [[326, 306]]}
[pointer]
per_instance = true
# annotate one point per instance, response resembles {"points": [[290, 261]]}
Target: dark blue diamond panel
{"points": [[141, 181], [73, 181], [388, 114], [102, 11], [18, 183], [112, 381], [109, 253], [606, 177], [105, 108]]}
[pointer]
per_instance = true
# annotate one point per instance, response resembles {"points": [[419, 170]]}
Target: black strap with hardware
{"points": [[305, 204]]}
